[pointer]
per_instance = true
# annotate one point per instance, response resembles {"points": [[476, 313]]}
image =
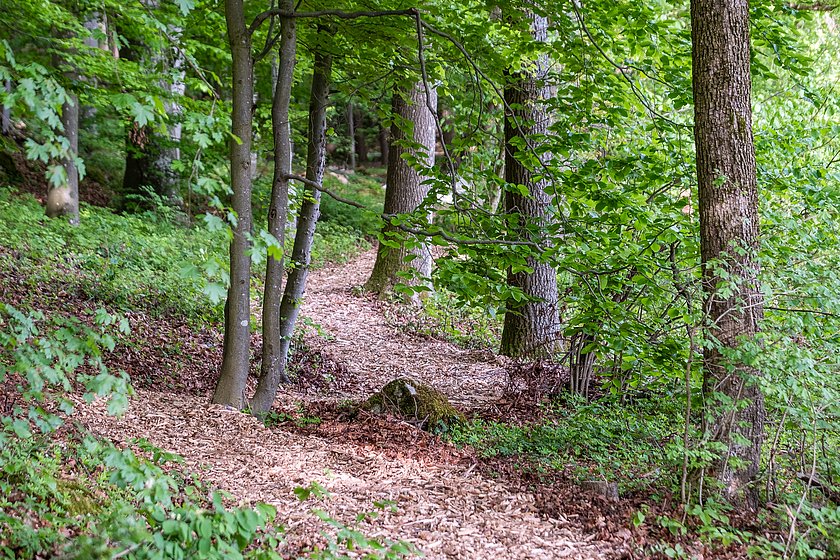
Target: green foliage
{"points": [[346, 541], [46, 357], [361, 189], [621, 442], [115, 502], [444, 317], [123, 261]]}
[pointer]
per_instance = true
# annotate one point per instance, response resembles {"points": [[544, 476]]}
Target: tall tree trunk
{"points": [[351, 134], [169, 150], [149, 153], [310, 209], [405, 190], [230, 389], [726, 175], [530, 327], [384, 145], [64, 200], [6, 117], [359, 139], [272, 370]]}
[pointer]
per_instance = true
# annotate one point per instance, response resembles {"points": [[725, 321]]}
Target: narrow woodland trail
{"points": [[444, 506]]}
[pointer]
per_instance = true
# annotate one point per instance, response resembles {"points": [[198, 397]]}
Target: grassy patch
{"points": [[619, 442], [124, 261]]}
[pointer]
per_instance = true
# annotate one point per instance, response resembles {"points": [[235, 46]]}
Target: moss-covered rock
{"points": [[415, 402]]}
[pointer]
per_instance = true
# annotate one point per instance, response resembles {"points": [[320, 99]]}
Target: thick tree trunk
{"points": [[405, 190], [726, 175], [64, 200], [310, 209], [272, 370], [530, 327], [230, 389]]}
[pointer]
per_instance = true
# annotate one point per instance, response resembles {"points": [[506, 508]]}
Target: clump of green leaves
{"points": [[46, 357]]}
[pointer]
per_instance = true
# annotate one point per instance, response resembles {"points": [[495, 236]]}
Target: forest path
{"points": [[355, 332], [444, 505]]}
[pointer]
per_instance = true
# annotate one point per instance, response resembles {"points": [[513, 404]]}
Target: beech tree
{"points": [[726, 175], [230, 389], [531, 325], [412, 136], [307, 221], [272, 370]]}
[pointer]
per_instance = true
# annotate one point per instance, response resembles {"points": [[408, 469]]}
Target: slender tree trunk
{"points": [[384, 145], [359, 140], [230, 389], [530, 327], [64, 200], [726, 175], [351, 134], [405, 190], [310, 209], [6, 117], [272, 370]]}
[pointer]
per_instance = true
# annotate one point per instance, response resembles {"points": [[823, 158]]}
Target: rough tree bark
{"points": [[726, 174], [405, 189], [359, 139], [384, 138], [272, 370], [230, 389], [530, 327]]}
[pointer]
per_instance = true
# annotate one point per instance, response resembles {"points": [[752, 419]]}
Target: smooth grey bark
{"points": [[64, 200], [169, 150], [230, 389], [272, 370], [310, 209], [726, 175], [351, 134], [530, 327], [405, 190]]}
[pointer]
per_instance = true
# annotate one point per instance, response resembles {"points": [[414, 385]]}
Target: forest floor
{"points": [[448, 502]]}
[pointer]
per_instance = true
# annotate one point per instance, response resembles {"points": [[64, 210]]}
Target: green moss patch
{"points": [[416, 402]]}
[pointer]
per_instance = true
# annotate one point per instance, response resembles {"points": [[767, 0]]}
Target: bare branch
{"points": [[318, 187]]}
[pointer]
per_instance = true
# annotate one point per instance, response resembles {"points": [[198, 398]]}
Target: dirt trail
{"points": [[444, 507], [375, 353]]}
